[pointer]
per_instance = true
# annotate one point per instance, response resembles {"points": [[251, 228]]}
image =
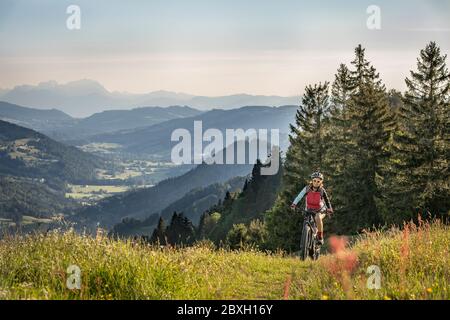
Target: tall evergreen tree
{"points": [[420, 163], [340, 151], [370, 123], [306, 153]]}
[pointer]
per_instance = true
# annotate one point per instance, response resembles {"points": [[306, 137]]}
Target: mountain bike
{"points": [[309, 245]]}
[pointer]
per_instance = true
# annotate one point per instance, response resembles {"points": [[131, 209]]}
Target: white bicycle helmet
{"points": [[317, 175]]}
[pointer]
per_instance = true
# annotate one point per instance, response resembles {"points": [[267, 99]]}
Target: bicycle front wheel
{"points": [[304, 242]]}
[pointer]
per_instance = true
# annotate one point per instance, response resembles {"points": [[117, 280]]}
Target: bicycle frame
{"points": [[309, 247]]}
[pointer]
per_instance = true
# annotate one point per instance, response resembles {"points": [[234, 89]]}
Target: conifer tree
{"points": [[420, 162], [256, 176], [245, 185], [180, 230], [340, 151], [306, 153], [370, 123], [158, 235]]}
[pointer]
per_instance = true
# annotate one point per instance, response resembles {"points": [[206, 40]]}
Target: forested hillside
{"points": [[27, 153]]}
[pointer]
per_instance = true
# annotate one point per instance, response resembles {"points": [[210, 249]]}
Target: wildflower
{"points": [[286, 287], [405, 243], [338, 244], [344, 261], [350, 262], [324, 297], [429, 290]]}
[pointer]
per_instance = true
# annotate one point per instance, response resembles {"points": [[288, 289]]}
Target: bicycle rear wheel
{"points": [[315, 251], [311, 246]]}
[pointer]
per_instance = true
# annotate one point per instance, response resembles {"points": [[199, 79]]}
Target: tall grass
{"points": [[414, 264]]}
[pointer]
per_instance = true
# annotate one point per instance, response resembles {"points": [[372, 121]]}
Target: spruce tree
{"points": [[420, 164], [306, 153], [244, 188], [370, 123], [340, 152], [256, 176], [159, 233]]}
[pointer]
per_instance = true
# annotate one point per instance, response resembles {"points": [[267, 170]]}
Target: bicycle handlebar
{"points": [[305, 211]]}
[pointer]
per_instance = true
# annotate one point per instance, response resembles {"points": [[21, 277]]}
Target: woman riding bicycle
{"points": [[316, 200]]}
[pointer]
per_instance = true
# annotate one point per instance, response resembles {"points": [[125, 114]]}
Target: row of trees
{"points": [[384, 154], [235, 221], [180, 231]]}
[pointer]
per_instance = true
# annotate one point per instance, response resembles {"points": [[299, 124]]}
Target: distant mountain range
{"points": [[85, 97], [139, 130], [146, 130], [36, 119], [156, 139], [61, 126]]}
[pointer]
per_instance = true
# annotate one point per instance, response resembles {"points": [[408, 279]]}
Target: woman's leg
{"points": [[319, 217]]}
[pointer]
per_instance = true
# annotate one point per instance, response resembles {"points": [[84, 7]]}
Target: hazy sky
{"points": [[212, 47]]}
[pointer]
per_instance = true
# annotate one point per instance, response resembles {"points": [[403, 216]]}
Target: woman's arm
{"points": [[300, 196], [326, 199]]}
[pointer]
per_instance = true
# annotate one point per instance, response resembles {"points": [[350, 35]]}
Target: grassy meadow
{"points": [[413, 262]]}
